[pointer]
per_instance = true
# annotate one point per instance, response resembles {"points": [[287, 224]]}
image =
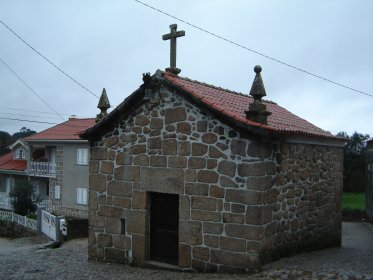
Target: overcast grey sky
{"points": [[111, 43]]}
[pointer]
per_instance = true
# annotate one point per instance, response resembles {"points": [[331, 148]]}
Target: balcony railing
{"points": [[43, 169], [5, 202]]}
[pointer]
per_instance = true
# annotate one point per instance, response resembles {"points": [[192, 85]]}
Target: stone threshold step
{"points": [[165, 266]]}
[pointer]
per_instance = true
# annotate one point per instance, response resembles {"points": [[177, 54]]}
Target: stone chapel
{"points": [[198, 177]]}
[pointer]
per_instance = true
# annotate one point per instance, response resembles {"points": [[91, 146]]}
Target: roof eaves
{"points": [[256, 129]]}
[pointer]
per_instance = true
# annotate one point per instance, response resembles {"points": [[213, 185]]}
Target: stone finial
{"points": [[103, 105], [257, 109]]}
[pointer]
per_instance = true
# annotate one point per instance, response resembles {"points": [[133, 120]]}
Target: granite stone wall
{"points": [[58, 180], [242, 202]]}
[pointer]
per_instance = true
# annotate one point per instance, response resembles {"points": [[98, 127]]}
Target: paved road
{"points": [[21, 259]]}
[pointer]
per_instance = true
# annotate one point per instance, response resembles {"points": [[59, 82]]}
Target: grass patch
{"points": [[353, 200], [353, 207]]}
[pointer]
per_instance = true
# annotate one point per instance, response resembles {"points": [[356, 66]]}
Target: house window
{"points": [[57, 192], [81, 196], [20, 154], [82, 156]]}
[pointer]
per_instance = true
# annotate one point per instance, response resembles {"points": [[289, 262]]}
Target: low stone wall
{"points": [[70, 212], [13, 230]]}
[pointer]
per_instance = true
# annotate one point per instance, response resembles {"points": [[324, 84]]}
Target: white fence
{"points": [[21, 220]]}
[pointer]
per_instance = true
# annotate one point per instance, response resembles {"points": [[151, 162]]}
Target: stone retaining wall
{"points": [[242, 202]]}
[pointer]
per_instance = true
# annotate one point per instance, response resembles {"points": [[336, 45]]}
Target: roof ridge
{"points": [[216, 87]]}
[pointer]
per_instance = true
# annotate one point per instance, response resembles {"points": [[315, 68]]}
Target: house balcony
{"points": [[41, 169], [5, 201]]}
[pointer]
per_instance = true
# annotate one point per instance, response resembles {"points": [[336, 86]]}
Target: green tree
{"points": [[5, 141], [22, 198], [354, 162], [24, 132]]}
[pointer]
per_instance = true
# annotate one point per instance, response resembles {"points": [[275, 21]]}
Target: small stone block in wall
{"points": [[190, 232], [201, 253], [184, 255], [121, 242], [109, 211], [244, 196], [175, 115], [207, 176], [119, 188], [244, 231], [115, 255], [233, 244], [139, 199], [113, 225], [104, 240], [137, 221], [97, 182], [138, 248], [98, 153]]}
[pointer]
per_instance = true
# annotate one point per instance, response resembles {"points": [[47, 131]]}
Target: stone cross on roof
{"points": [[172, 37]]}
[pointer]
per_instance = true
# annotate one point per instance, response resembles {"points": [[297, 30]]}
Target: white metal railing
{"points": [[21, 220], [5, 200], [42, 168], [46, 204]]}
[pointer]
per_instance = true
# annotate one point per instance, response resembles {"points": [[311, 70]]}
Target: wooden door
{"points": [[164, 227]]}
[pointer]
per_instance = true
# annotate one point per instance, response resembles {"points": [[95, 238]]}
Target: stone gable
{"points": [[242, 202]]}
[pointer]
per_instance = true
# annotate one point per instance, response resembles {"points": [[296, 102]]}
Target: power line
{"points": [[30, 88], [12, 119], [48, 60], [26, 110], [254, 51], [24, 115], [34, 111], [42, 122]]}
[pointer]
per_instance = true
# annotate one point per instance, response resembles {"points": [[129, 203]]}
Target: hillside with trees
{"points": [[6, 139]]}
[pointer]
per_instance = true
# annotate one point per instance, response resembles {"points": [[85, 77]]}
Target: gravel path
{"points": [[23, 259]]}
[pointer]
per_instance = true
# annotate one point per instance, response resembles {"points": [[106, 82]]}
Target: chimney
{"points": [[257, 109], [103, 105]]}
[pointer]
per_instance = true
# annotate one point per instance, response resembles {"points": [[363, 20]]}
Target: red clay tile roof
{"points": [[234, 105], [8, 163], [68, 130]]}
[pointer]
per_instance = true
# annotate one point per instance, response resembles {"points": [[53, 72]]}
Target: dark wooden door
{"points": [[164, 227]]}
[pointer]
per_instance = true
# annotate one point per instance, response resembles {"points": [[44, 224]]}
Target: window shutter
{"points": [[57, 192], [84, 194], [81, 196], [86, 156], [82, 156]]}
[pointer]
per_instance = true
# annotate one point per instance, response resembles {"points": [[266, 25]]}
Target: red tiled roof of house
{"points": [[68, 130], [234, 105], [8, 163]]}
